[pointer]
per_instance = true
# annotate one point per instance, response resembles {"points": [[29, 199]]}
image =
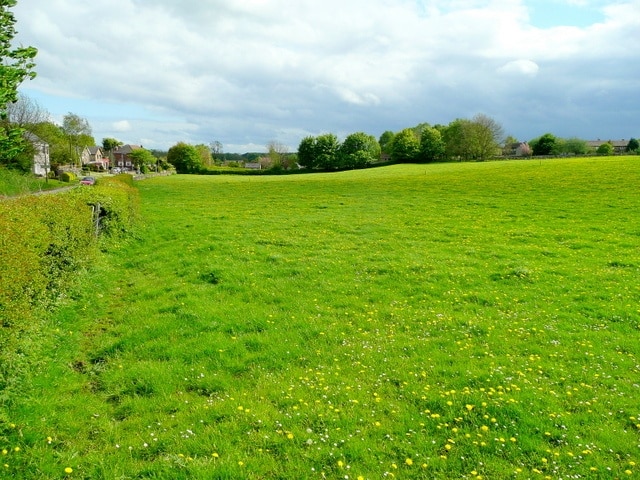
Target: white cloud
{"points": [[122, 126], [519, 67], [246, 72]]}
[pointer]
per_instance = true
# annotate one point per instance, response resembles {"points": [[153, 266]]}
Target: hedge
{"points": [[44, 241]]}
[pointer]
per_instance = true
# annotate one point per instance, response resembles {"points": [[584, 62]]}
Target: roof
{"points": [[127, 149], [615, 143], [33, 138]]}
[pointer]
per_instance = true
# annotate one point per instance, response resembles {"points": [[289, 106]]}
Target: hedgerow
{"points": [[44, 242]]}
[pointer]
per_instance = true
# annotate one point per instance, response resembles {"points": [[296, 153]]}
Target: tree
{"points": [[386, 141], [457, 137], [547, 144], [184, 158], [405, 147], [605, 149], [204, 152], [358, 151], [326, 151], [78, 133], [574, 146], [633, 146], [278, 158], [109, 145], [16, 65], [142, 159], [306, 152], [432, 148], [487, 136], [26, 112]]}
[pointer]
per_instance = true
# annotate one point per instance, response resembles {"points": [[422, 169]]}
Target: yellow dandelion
{"points": [[469, 407], [628, 472], [68, 470], [215, 455], [289, 435], [408, 461]]}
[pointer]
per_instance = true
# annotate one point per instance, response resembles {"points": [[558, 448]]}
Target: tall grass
{"points": [[441, 321], [14, 183]]}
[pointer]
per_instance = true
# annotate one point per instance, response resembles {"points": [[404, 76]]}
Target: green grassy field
{"points": [[440, 321], [13, 183]]}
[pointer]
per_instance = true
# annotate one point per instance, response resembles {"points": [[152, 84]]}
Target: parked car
{"points": [[87, 181]]}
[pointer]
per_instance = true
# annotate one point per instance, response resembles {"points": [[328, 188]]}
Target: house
{"points": [[253, 165], [93, 157], [121, 157], [41, 159], [518, 149], [619, 146]]}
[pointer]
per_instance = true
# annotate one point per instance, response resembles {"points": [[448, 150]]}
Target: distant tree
{"points": [[216, 148], [204, 152], [358, 151], [547, 144], [574, 146], [405, 147], [78, 133], [142, 159], [307, 152], [16, 65], [109, 145], [432, 148], [184, 158], [326, 151], [386, 142], [458, 139], [277, 153], [487, 136], [509, 144], [26, 112], [605, 149], [633, 146]]}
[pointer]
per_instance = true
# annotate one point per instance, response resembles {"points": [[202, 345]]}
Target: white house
{"points": [[41, 159]]}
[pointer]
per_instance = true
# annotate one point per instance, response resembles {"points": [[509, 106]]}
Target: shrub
{"points": [[68, 177], [44, 240]]}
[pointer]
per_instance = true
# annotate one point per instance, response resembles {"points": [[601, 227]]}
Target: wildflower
{"points": [[215, 455], [469, 407], [408, 461], [68, 470], [289, 435]]}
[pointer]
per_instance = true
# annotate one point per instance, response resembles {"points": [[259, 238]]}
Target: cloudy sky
{"points": [[246, 72]]}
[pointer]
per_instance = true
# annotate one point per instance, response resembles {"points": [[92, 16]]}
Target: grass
{"points": [[13, 183], [439, 321]]}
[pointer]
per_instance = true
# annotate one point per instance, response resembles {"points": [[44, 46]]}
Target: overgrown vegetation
{"points": [[440, 321], [45, 241], [14, 183]]}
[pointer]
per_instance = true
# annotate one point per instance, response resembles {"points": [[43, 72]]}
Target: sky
{"points": [[248, 72]]}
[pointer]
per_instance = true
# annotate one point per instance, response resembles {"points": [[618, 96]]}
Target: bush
{"points": [[68, 177], [44, 241], [114, 203]]}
